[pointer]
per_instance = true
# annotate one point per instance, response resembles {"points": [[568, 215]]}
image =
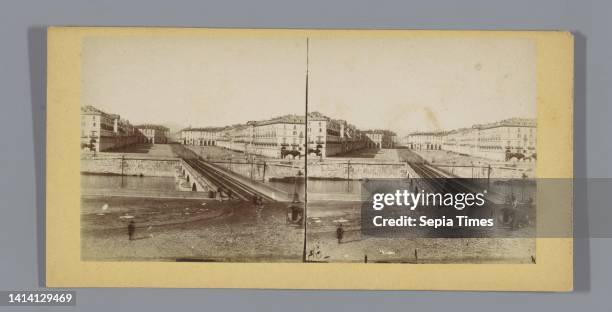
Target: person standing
{"points": [[220, 194], [340, 233], [131, 229]]}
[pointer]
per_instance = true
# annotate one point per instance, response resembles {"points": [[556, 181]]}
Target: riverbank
{"points": [[324, 218], [229, 231]]}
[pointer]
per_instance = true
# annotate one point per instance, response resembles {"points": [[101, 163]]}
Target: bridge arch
{"points": [[194, 181]]}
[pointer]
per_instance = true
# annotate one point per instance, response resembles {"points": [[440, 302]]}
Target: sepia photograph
{"points": [[232, 155], [193, 150], [257, 150], [422, 110]]}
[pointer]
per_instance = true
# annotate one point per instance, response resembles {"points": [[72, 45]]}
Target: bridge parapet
{"points": [[196, 181]]}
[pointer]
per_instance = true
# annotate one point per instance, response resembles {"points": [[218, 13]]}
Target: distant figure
{"points": [[315, 253], [131, 229], [222, 193], [229, 194], [258, 206], [515, 203], [296, 197], [340, 233], [365, 259], [218, 196], [260, 202]]}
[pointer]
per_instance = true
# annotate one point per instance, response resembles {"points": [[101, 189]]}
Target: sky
{"points": [[400, 84], [194, 82], [423, 84]]}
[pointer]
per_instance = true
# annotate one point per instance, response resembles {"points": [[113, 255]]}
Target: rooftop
{"points": [[292, 119], [379, 131], [152, 126], [91, 110], [511, 122], [207, 129], [288, 119]]}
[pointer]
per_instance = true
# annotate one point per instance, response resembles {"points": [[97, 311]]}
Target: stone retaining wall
{"points": [[320, 169], [256, 170], [358, 170], [130, 165]]}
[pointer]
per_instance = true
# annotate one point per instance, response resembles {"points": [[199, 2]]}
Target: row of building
{"points": [[502, 140], [101, 131], [288, 135]]}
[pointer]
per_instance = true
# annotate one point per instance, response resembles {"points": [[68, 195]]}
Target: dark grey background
{"points": [[22, 129]]}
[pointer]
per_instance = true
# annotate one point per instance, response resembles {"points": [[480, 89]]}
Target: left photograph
{"points": [[193, 149]]}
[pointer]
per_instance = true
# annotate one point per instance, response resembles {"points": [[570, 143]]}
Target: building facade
{"points": [[276, 137], [380, 138], [101, 131], [280, 137], [331, 137], [508, 139], [461, 141], [200, 136], [284, 136], [154, 134], [423, 140]]}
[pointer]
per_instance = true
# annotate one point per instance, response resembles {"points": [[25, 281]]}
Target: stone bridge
{"points": [[196, 181]]}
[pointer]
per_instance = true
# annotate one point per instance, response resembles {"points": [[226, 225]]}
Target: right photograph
{"points": [[431, 117]]}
